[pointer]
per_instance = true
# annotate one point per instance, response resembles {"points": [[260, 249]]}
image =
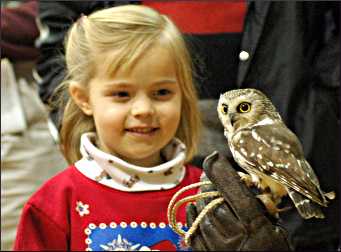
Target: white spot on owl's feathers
{"points": [[242, 150], [269, 163], [256, 136]]}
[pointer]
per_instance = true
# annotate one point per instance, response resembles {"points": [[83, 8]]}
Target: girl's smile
{"points": [[142, 131]]}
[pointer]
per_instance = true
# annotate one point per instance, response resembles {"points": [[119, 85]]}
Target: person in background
{"points": [[29, 155], [288, 50]]}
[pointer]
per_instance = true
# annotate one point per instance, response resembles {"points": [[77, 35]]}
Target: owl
{"points": [[270, 153]]}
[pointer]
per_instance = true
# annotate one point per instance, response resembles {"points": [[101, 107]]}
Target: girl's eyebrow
{"points": [[118, 84], [123, 83], [165, 81]]}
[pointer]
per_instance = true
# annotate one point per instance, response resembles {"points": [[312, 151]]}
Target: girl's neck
{"points": [[146, 162], [154, 160]]}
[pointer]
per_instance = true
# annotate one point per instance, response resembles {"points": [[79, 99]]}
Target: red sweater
{"points": [[73, 212]]}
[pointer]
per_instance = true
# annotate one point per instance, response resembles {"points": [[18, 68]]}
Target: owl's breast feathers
{"points": [[273, 151]]}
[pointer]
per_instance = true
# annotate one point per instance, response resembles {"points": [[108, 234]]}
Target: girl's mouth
{"points": [[142, 130]]}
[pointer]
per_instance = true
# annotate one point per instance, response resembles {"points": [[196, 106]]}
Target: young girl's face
{"points": [[137, 111]]}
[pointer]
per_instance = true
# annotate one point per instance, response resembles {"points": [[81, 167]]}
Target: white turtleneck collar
{"points": [[116, 173]]}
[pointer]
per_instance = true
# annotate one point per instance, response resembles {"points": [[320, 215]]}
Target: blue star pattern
{"points": [[132, 237]]}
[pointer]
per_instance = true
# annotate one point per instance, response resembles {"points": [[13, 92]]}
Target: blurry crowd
{"points": [[29, 152]]}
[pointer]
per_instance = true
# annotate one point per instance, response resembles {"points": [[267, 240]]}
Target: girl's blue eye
{"points": [[162, 92], [121, 94]]}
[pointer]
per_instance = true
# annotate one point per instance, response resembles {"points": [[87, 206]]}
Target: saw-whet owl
{"points": [[270, 153]]}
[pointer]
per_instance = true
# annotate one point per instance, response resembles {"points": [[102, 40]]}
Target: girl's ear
{"points": [[80, 97]]}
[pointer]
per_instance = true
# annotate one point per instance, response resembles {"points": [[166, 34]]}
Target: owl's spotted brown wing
{"points": [[275, 151]]}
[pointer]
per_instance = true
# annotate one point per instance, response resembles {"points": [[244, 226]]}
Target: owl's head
{"points": [[242, 108]]}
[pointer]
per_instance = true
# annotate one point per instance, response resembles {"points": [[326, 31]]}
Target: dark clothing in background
{"points": [[291, 52]]}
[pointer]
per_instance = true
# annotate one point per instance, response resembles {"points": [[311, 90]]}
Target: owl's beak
{"points": [[233, 118]]}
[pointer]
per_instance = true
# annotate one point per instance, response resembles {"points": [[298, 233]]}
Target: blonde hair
{"points": [[127, 31]]}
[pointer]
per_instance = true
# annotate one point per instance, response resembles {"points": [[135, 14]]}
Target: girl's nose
{"points": [[142, 107]]}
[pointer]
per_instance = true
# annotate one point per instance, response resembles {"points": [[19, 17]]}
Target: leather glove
{"points": [[240, 222]]}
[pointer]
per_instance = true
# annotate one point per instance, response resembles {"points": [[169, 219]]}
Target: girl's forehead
{"points": [[157, 58], [108, 63]]}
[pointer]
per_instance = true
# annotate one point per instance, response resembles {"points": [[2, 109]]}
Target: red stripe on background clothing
{"points": [[203, 17]]}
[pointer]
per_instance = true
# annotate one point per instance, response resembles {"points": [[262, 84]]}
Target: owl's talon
{"points": [[246, 178], [270, 204]]}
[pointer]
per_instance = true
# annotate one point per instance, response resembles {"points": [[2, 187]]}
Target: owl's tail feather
{"points": [[306, 208]]}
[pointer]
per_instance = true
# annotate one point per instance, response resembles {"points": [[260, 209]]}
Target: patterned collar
{"points": [[116, 173]]}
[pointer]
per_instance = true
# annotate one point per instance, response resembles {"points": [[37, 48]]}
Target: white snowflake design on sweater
{"points": [[82, 209]]}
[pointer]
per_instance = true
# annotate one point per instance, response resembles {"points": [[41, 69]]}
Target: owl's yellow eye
{"points": [[244, 107], [224, 108]]}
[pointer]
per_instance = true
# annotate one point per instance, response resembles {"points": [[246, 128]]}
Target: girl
{"points": [[129, 128]]}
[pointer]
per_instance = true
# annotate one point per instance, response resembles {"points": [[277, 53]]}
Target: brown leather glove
{"points": [[239, 223]]}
